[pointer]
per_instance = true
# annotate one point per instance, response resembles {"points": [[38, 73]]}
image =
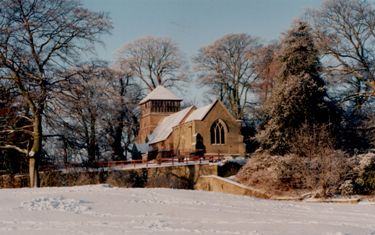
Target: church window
{"points": [[217, 132]]}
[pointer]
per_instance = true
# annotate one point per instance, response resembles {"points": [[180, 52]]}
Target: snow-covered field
{"points": [[100, 209]]}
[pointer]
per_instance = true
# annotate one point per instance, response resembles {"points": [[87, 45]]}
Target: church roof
{"points": [[160, 93], [165, 127], [143, 148], [200, 113]]}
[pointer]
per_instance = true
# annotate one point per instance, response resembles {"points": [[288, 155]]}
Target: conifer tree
{"points": [[300, 96]]}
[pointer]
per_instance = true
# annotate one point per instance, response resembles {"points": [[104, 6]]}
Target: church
{"points": [[167, 130]]}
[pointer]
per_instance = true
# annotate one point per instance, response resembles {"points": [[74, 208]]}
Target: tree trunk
{"points": [[65, 152], [33, 172], [92, 145], [34, 153], [118, 150]]}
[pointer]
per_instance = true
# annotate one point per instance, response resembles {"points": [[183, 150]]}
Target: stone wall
{"points": [[218, 184], [170, 177]]}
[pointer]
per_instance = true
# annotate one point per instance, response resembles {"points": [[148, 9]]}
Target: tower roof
{"points": [[160, 93]]}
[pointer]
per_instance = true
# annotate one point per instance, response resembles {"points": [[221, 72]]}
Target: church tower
{"points": [[157, 105]]}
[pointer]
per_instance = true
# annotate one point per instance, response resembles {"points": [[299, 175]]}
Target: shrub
{"points": [[292, 172], [323, 174], [260, 171], [314, 164], [364, 178], [330, 173], [347, 188]]}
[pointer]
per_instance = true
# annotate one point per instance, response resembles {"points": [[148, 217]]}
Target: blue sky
{"points": [[193, 24]]}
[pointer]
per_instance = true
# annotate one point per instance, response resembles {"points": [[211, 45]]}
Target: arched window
{"points": [[217, 132]]}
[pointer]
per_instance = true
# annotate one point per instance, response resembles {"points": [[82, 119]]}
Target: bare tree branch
{"points": [[345, 32], [227, 68], [155, 61], [23, 151]]}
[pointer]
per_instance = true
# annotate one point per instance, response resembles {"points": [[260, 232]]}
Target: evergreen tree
{"points": [[299, 97]]}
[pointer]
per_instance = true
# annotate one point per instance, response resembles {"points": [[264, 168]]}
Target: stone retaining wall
{"points": [[171, 177], [219, 184]]}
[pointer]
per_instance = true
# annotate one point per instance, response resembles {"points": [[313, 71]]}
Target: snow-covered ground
{"points": [[100, 209]]}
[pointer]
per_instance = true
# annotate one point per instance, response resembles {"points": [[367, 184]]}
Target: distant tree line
{"points": [[56, 108]]}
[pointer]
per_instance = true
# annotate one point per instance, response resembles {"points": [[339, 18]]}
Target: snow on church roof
{"points": [[160, 93], [200, 113], [165, 128], [143, 148]]}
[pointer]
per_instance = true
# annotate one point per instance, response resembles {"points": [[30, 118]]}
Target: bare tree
{"points": [[345, 30], [77, 112], [267, 66], [96, 113], [38, 39], [227, 67], [122, 125], [155, 61]]}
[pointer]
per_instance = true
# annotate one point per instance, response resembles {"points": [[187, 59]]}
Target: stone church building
{"points": [[166, 130]]}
